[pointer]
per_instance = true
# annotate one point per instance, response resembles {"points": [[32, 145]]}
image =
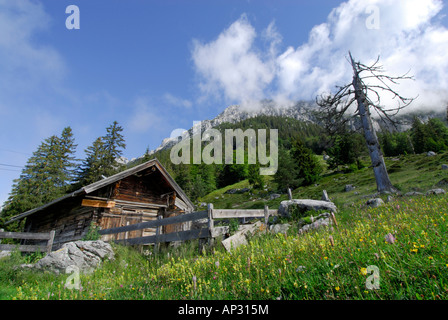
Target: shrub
{"points": [[92, 233]]}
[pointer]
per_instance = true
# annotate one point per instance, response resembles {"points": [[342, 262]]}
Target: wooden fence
{"points": [[210, 214], [49, 236]]}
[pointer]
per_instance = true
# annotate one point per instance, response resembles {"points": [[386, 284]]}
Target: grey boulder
{"points": [[305, 205], [375, 203], [85, 255]]}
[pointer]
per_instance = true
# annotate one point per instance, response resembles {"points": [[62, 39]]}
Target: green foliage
{"points": [[254, 176], [113, 146], [308, 167], [233, 225], [46, 176], [346, 150], [430, 136], [422, 137], [101, 157], [286, 175], [92, 233], [91, 168], [396, 143]]}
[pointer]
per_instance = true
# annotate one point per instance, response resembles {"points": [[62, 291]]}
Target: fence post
{"points": [[266, 217], [157, 244], [211, 224], [289, 194], [50, 242]]}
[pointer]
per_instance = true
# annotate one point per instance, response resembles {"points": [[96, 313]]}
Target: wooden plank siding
{"points": [[119, 217], [69, 225]]}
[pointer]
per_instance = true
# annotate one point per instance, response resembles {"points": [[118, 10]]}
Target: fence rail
{"points": [[157, 223], [49, 236], [209, 232]]}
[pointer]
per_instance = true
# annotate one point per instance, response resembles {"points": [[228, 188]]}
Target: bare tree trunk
{"points": [[376, 156]]}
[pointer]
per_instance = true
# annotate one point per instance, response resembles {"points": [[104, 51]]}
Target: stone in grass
{"points": [[349, 187], [375, 203], [413, 193], [239, 238], [305, 205], [315, 225], [325, 196], [389, 238], [279, 228], [85, 255], [435, 191]]}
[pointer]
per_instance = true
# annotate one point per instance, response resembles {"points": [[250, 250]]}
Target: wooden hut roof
{"points": [[112, 179]]}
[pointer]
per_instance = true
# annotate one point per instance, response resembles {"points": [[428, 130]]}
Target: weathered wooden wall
{"points": [[70, 220], [122, 216], [133, 199]]}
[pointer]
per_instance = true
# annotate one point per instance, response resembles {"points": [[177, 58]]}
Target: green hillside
{"points": [[396, 251], [287, 266], [407, 172]]}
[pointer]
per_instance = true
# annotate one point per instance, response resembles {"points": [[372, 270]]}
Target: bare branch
{"points": [[335, 106]]}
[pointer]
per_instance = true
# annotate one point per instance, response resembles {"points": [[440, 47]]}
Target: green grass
{"points": [[283, 266], [290, 266]]}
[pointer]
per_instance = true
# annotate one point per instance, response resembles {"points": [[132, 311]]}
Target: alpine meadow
{"points": [[315, 168]]}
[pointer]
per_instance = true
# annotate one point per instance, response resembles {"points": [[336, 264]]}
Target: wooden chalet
{"points": [[142, 193]]}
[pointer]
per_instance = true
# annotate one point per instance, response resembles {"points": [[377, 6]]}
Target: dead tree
{"points": [[359, 99]]}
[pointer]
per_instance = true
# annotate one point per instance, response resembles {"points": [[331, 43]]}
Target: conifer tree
{"points": [[101, 157], [113, 149], [45, 177], [254, 176], [91, 169], [286, 175], [308, 166]]}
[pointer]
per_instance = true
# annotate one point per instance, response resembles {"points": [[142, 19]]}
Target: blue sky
{"points": [[155, 66]]}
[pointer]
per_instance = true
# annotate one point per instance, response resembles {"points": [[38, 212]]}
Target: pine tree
{"points": [[419, 136], [308, 166], [286, 175], [45, 177], [346, 150], [254, 176], [92, 167], [67, 160], [113, 149], [101, 157]]}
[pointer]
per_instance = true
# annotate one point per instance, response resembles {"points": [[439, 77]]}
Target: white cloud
{"points": [[143, 117], [24, 65], [408, 37], [178, 102], [229, 64]]}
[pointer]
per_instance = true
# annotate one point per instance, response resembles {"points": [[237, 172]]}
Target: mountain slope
{"points": [[302, 110]]}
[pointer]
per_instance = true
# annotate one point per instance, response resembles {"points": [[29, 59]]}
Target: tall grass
{"points": [[327, 264]]}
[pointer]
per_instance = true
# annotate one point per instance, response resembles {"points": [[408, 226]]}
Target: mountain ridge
{"points": [[301, 110]]}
